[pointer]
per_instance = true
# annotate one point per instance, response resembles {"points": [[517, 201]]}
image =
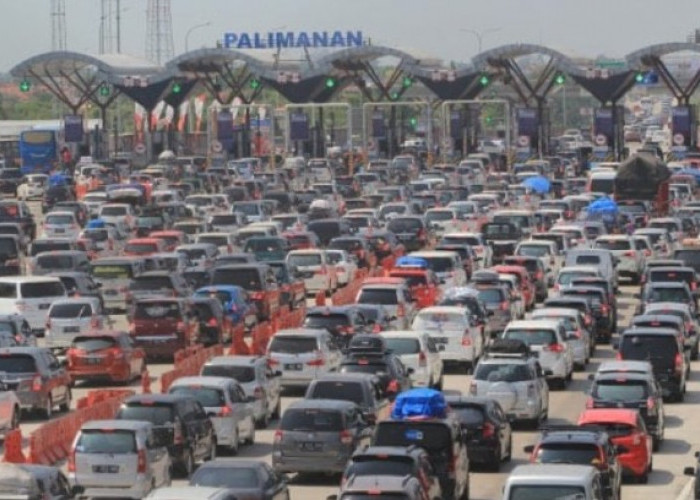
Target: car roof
{"points": [[549, 473], [326, 404], [533, 323], [132, 425], [608, 415], [203, 380], [625, 366]]}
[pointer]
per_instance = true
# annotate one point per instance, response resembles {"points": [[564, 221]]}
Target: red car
{"points": [[105, 354], [172, 239], [527, 289], [627, 430], [162, 326], [144, 246]]}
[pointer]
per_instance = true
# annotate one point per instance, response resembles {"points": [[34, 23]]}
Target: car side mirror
{"points": [[548, 373], [615, 344], [689, 471], [77, 490]]}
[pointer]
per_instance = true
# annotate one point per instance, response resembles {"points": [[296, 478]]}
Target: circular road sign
{"points": [[523, 141], [140, 148], [678, 139], [216, 146], [601, 140]]}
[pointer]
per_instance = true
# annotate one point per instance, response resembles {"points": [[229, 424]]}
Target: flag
{"points": [[139, 116], [155, 114], [182, 118], [199, 111]]}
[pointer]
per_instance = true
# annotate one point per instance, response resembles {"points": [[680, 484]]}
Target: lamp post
{"points": [[189, 31], [480, 35]]}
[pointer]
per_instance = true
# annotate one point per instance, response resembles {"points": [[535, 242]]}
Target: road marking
{"points": [[685, 492]]}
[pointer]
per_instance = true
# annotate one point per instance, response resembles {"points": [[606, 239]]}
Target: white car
{"points": [[33, 187], [225, 242], [302, 354], [547, 338], [60, 225], [417, 350], [577, 335], [458, 337], [118, 214], [446, 265], [345, 265], [443, 220], [314, 266], [483, 250], [544, 250], [68, 318], [631, 262]]}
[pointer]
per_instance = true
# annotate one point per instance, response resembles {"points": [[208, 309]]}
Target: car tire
{"points": [[694, 354], [263, 422], [212, 451], [47, 411], [644, 478], [233, 448], [65, 406], [186, 468], [509, 453], [656, 443], [278, 410], [250, 440]]}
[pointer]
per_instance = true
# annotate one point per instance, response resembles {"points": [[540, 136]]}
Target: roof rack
{"points": [[508, 348], [571, 428]]}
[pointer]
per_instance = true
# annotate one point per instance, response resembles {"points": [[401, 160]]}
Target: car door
{"points": [[498, 417], [270, 380], [273, 484], [158, 459], [57, 378], [194, 425], [134, 354], [543, 393], [433, 356], [242, 410]]}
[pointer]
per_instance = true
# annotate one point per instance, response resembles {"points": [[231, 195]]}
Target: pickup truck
{"points": [[19, 213]]}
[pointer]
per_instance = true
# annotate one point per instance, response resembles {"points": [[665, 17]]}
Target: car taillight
{"points": [[180, 327], [589, 403], [272, 362], [651, 404], [377, 328], [466, 339], [400, 311], [618, 356], [488, 430], [322, 271], [605, 308], [678, 365], [421, 234], [94, 322], [132, 329], [556, 287], [693, 286], [472, 388], [539, 275], [647, 252], [71, 461], [422, 359], [257, 295], [278, 436], [318, 361], [212, 322], [504, 305], [555, 347], [452, 467], [628, 253], [141, 464], [587, 320], [637, 439], [225, 411], [37, 383]]}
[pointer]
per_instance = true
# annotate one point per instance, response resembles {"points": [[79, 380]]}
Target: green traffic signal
{"points": [[639, 77], [560, 79], [254, 83], [407, 81], [394, 96], [484, 80], [177, 88], [104, 90], [330, 82], [25, 86], [413, 121]]}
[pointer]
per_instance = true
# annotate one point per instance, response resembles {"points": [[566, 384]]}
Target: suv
{"points": [[562, 481], [37, 378], [417, 350], [258, 280], [180, 421], [667, 291], [393, 294], [663, 348], [411, 461], [256, 378], [359, 388], [318, 435], [511, 375], [157, 284], [162, 326], [630, 261], [407, 487], [341, 321], [574, 445]]}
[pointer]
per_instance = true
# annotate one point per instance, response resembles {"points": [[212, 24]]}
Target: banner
{"points": [[224, 122], [73, 128], [299, 126], [603, 127], [681, 126], [199, 111], [139, 119], [156, 113], [528, 124], [456, 124], [378, 125], [168, 117], [182, 116]]}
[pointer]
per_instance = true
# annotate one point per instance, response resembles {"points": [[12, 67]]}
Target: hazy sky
{"points": [[424, 27]]}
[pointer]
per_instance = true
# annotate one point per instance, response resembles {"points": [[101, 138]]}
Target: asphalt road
{"points": [[666, 481]]}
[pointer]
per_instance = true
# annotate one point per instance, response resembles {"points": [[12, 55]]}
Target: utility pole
{"points": [[159, 32], [58, 25]]}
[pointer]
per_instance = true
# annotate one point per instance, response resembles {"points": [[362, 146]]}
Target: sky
{"points": [[435, 28]]}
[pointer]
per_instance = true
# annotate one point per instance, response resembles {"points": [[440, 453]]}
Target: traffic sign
{"points": [[216, 146], [140, 148], [523, 141], [601, 140], [678, 139]]}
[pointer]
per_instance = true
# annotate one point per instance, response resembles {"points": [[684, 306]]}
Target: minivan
{"points": [[114, 274], [31, 297], [553, 481]]}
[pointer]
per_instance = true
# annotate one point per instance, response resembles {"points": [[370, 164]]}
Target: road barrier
{"points": [[52, 442], [13, 447], [347, 294], [188, 363]]}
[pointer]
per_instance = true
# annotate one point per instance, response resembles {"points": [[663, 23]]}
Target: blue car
{"points": [[235, 301]]}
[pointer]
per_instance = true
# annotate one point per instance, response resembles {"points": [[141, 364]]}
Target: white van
{"points": [[545, 481], [30, 297]]}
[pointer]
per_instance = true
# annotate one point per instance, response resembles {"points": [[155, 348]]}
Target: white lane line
{"points": [[685, 492]]}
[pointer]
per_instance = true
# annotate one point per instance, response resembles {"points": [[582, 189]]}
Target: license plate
{"points": [[293, 366], [92, 361], [440, 340], [109, 469], [311, 446], [71, 329], [59, 230], [44, 306]]}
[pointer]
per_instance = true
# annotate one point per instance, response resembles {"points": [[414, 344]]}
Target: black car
{"points": [[327, 229], [583, 305], [211, 317], [246, 478], [341, 321], [411, 230], [55, 194], [382, 243], [631, 390], [181, 421], [359, 388], [602, 312], [393, 376], [10, 179], [604, 285], [485, 429]]}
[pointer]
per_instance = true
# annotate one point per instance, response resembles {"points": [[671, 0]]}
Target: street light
{"points": [[480, 34], [189, 31]]}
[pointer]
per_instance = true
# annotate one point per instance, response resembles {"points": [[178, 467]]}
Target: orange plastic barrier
{"points": [[51, 442], [321, 298], [238, 343], [347, 294], [261, 337], [13, 447], [188, 363], [426, 296]]}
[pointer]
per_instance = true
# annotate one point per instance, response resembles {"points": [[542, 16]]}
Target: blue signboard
{"points": [[291, 40], [73, 128], [378, 126], [224, 129], [456, 124], [299, 126], [603, 127], [681, 125]]}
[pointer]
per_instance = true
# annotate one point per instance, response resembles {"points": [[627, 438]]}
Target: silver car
{"points": [[577, 335], [228, 407], [257, 380], [68, 318], [118, 458]]}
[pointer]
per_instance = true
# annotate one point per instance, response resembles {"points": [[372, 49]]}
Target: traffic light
{"points": [[560, 79], [413, 121], [105, 90], [25, 86], [177, 88], [394, 96], [255, 84], [639, 77], [484, 80], [330, 82], [407, 81]]}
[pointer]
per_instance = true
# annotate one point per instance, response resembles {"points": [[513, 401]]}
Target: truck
{"points": [[643, 177]]}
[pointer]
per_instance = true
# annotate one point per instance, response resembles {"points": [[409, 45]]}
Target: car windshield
{"points": [[248, 279], [613, 244], [620, 389], [569, 453], [400, 346], [472, 416], [141, 247], [56, 262], [292, 344], [113, 211], [147, 283], [112, 271], [531, 337], [533, 250], [404, 225], [17, 363], [157, 414], [567, 277], [385, 297], [226, 477], [491, 296], [493, 372], [546, 492], [206, 396], [648, 347], [59, 220], [247, 208], [380, 466], [40, 290], [242, 374], [346, 391], [432, 437], [91, 344], [98, 235], [157, 310], [670, 294], [304, 260], [106, 441], [67, 311], [614, 429], [412, 279], [326, 320], [309, 420], [429, 320]]}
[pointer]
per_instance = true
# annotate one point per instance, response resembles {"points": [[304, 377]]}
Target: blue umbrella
{"points": [[538, 184], [602, 205], [690, 171]]}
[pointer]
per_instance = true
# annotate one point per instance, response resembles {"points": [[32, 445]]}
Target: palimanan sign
{"points": [[290, 39]]}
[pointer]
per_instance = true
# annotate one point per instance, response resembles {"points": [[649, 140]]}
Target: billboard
{"points": [[378, 125], [73, 128], [299, 126], [224, 126], [603, 127], [681, 126], [456, 124], [528, 127]]}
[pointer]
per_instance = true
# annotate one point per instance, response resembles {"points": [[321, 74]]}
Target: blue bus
{"points": [[38, 150]]}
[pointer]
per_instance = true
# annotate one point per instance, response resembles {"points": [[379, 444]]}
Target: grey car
{"points": [[244, 478], [319, 435], [60, 260]]}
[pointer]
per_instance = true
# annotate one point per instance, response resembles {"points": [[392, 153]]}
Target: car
{"points": [[242, 479], [580, 445], [201, 255], [682, 311], [302, 355], [258, 280], [631, 262], [59, 260], [162, 326], [132, 449], [667, 291], [256, 378], [511, 375], [457, 333], [485, 429], [292, 288], [114, 275], [356, 246], [417, 350], [70, 317], [136, 247], [567, 274], [186, 430], [51, 196], [235, 301], [152, 284], [314, 266], [105, 354], [341, 321], [629, 434], [330, 431], [547, 338], [393, 294], [411, 230], [37, 378], [228, 407], [446, 265], [600, 307], [638, 391], [345, 266], [483, 250], [497, 302], [36, 481], [381, 486], [536, 271], [552, 481], [33, 186], [363, 389], [362, 357], [10, 255], [604, 260], [577, 335]]}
